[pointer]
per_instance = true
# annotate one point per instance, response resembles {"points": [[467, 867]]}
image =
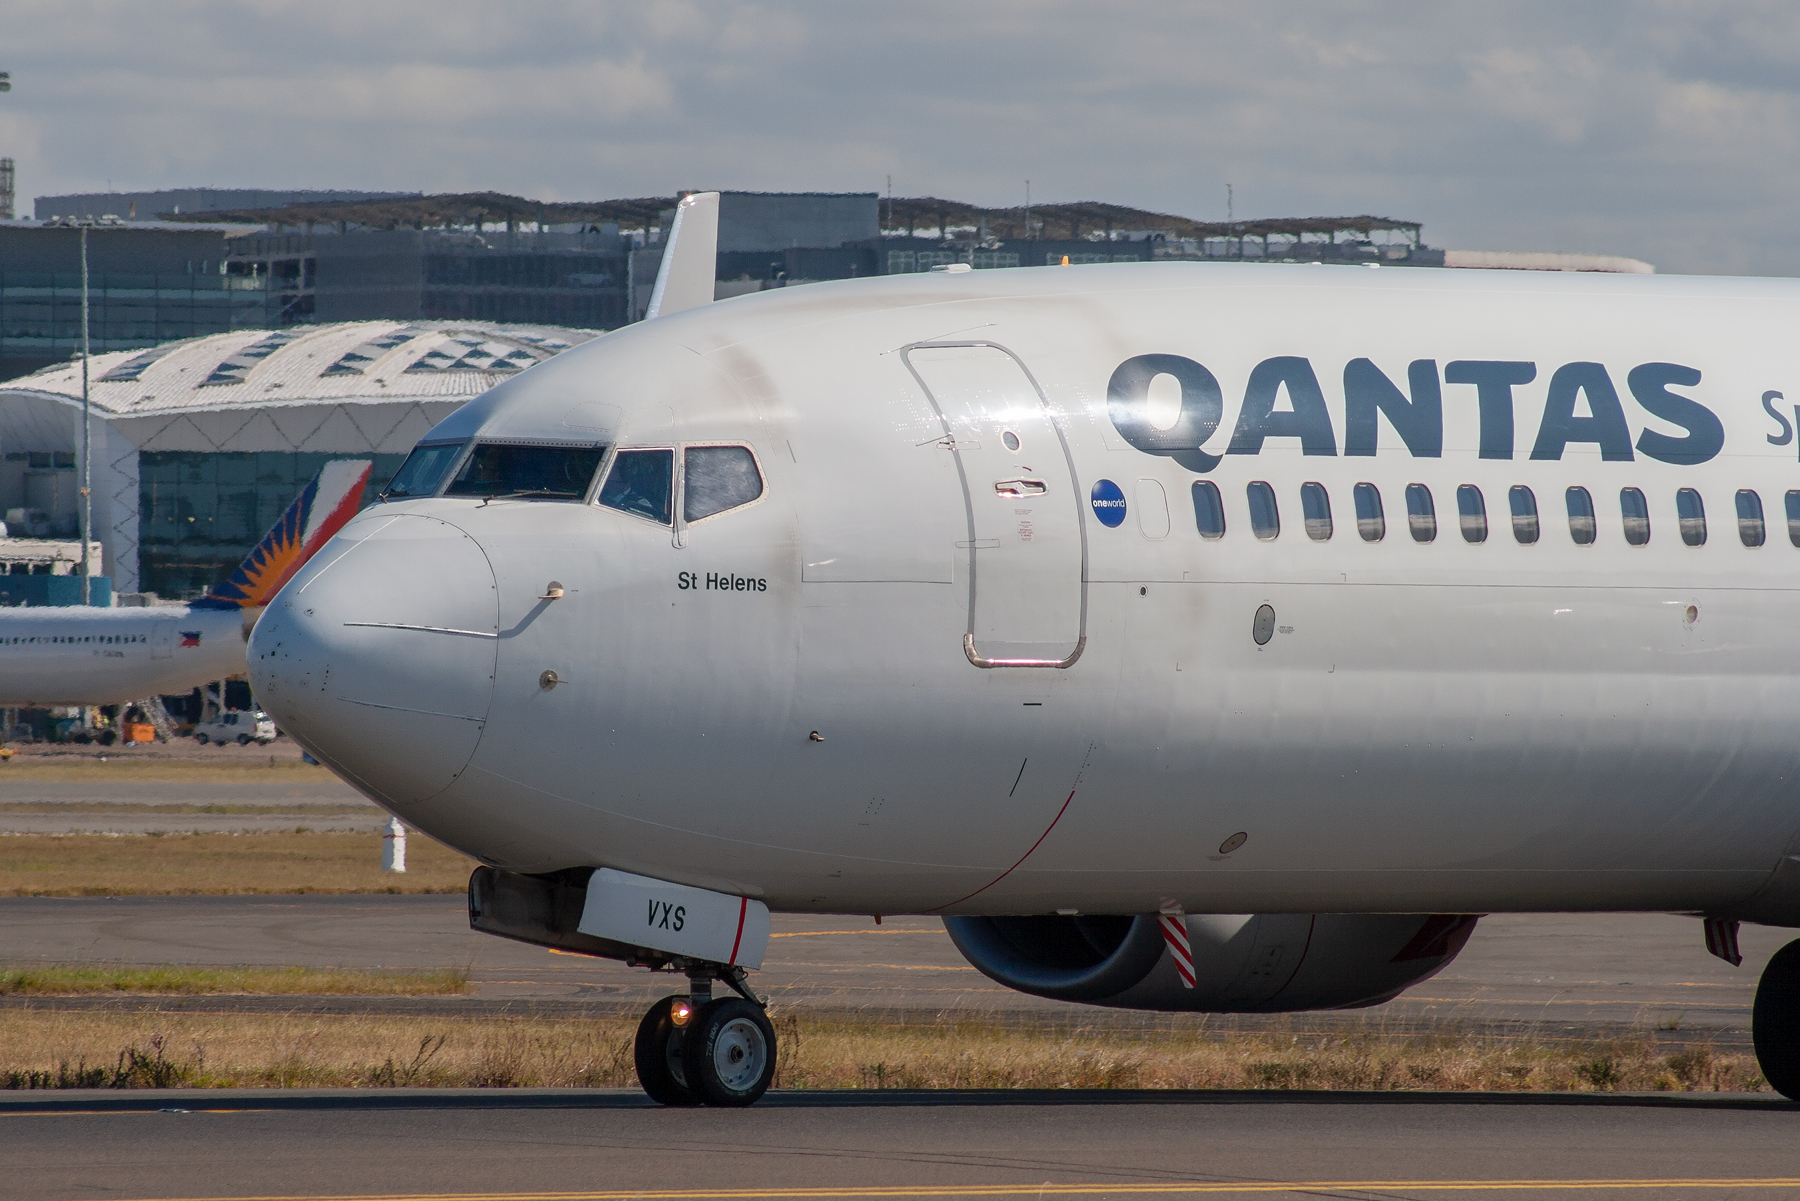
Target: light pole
{"points": [[87, 435]]}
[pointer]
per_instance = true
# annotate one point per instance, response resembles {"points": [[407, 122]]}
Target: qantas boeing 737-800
{"points": [[1190, 637]]}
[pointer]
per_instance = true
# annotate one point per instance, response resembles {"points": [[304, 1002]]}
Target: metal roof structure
{"points": [[1071, 221], [1082, 218], [366, 362], [453, 210]]}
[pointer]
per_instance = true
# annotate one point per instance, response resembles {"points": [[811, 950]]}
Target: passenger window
{"points": [[1524, 514], [1265, 518], [1209, 510], [1690, 512], [1421, 514], [1581, 516], [1750, 517], [639, 483], [500, 469], [1315, 507], [1634, 510], [1370, 522], [1792, 501], [1471, 513], [716, 478]]}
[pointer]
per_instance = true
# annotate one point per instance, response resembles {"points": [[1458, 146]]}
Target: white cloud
{"points": [[1554, 89]]}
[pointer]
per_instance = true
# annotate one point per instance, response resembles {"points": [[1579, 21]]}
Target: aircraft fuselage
{"points": [[979, 645]]}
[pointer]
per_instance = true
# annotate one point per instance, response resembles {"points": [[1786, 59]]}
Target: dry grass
{"points": [[65, 980], [88, 865], [47, 1049], [121, 767], [128, 809], [982, 1055]]}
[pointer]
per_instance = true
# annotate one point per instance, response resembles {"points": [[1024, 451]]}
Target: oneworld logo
{"points": [[1109, 503]]}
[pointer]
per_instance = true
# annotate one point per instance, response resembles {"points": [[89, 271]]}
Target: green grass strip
{"points": [[69, 980]]}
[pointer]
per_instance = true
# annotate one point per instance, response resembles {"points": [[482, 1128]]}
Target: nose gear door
{"points": [[1026, 544]]}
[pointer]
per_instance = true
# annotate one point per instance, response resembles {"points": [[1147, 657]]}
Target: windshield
{"points": [[424, 470], [534, 472]]}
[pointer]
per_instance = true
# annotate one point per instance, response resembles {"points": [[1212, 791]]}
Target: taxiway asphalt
{"points": [[889, 1144]]}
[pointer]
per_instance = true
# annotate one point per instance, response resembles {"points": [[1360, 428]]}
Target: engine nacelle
{"points": [[1243, 963]]}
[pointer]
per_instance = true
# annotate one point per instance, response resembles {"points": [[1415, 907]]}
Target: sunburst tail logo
{"points": [[321, 510]]}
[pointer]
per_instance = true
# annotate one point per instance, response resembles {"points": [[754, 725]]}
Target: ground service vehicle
{"points": [[235, 725]]}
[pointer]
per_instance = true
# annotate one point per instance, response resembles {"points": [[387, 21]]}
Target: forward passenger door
{"points": [[1026, 544]]}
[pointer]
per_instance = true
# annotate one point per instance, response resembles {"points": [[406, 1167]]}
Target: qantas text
{"points": [[1415, 411]]}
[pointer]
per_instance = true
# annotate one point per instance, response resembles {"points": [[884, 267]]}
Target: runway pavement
{"points": [[880, 1144], [1558, 975]]}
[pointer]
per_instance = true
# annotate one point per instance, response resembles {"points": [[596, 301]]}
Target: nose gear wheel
{"points": [[694, 1050], [728, 1052], [658, 1054]]}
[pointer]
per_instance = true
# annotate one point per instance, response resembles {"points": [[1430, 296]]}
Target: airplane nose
{"points": [[379, 656]]}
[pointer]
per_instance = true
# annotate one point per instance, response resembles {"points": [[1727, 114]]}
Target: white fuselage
{"points": [[76, 655], [1444, 726]]}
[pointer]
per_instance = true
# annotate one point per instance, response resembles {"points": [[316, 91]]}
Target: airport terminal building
{"points": [[200, 444]]}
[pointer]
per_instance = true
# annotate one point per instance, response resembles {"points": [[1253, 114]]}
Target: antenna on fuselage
{"points": [[690, 262]]}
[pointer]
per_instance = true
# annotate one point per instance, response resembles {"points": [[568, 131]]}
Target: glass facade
{"points": [[40, 315], [200, 514]]}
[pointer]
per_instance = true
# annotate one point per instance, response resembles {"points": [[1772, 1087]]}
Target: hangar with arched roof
{"points": [[199, 445]]}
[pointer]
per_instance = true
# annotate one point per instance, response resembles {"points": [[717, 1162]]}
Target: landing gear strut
{"points": [[1775, 1022], [693, 1049]]}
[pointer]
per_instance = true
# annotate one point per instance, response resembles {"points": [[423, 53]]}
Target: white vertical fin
{"points": [[690, 261]]}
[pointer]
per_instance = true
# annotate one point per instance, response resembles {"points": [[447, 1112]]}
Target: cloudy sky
{"points": [[1663, 130]]}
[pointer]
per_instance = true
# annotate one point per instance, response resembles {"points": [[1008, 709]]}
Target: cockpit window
{"points": [[424, 470], [716, 478], [641, 482], [503, 469]]}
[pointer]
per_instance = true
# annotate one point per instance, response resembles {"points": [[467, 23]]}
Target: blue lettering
{"points": [[1419, 421], [1787, 431], [1308, 420], [1606, 427], [1128, 404], [1494, 382], [1649, 384]]}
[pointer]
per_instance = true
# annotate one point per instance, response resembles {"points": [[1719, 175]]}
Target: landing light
{"points": [[680, 1012]]}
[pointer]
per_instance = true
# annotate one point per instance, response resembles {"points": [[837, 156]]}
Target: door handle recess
{"points": [[1013, 489]]}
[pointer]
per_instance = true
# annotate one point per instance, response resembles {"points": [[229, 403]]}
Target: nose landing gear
{"points": [[695, 1050]]}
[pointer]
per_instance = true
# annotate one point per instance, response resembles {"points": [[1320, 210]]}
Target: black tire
{"points": [[657, 1053], [1775, 1022], [243, 740], [728, 1053], [107, 738], [200, 738]]}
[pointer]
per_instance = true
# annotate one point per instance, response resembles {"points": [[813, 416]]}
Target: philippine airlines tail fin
{"points": [[321, 510], [690, 262]]}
